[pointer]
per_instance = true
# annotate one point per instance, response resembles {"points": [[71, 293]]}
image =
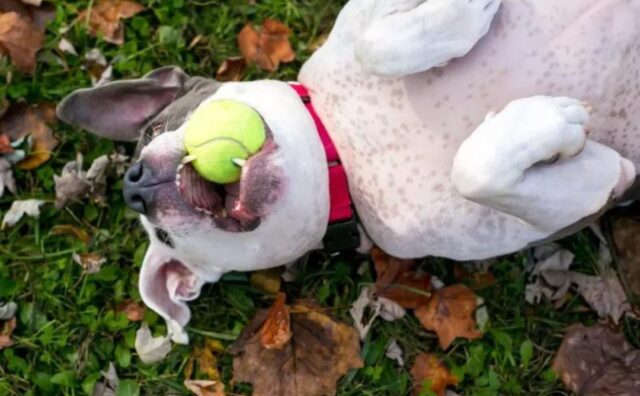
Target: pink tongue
{"points": [[197, 191], [235, 208]]}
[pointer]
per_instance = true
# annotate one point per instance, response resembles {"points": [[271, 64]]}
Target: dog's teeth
{"points": [[224, 213], [239, 161], [187, 159]]}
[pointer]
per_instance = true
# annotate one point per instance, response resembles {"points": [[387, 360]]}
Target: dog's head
{"points": [[199, 230]]}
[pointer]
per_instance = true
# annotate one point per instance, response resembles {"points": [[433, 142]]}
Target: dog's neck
{"points": [[342, 231]]}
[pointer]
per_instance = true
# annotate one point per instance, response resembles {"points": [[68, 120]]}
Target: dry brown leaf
{"points": [[428, 367], [132, 309], [21, 40], [398, 282], [205, 387], [475, 280], [598, 361], [105, 18], [320, 351], [276, 330], [90, 262], [268, 47], [207, 362], [626, 240], [6, 330], [450, 314], [71, 230], [21, 120], [232, 69], [5, 144]]}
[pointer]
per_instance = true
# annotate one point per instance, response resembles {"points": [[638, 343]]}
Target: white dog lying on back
{"points": [[461, 125]]}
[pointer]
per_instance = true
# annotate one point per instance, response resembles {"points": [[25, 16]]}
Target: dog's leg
{"points": [[533, 160], [410, 36]]}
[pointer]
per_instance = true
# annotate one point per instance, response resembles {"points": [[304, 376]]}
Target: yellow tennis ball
{"points": [[218, 133]]}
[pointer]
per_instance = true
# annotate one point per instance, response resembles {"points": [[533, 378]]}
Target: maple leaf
{"points": [[597, 361], [276, 330], [320, 351], [268, 47], [22, 120], [450, 314], [105, 18], [428, 367], [398, 282]]}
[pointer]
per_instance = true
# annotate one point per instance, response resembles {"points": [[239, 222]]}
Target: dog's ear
{"points": [[118, 110], [165, 285]]}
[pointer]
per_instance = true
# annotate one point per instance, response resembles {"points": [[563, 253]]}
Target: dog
{"points": [[464, 129]]}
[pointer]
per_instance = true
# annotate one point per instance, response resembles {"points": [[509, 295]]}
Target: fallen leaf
{"points": [[206, 360], [8, 310], [604, 294], [232, 69], [5, 144], [428, 368], [268, 280], [71, 230], [110, 385], [105, 18], [74, 184], [398, 282], [320, 351], [132, 309], [276, 330], [598, 361], [7, 181], [21, 40], [368, 307], [550, 276], [90, 262], [475, 280], [29, 207], [23, 120], [268, 47], [394, 352], [626, 249], [65, 45], [151, 349], [6, 330], [205, 387], [450, 314]]}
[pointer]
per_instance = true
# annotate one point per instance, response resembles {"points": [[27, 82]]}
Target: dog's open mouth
{"points": [[231, 206]]}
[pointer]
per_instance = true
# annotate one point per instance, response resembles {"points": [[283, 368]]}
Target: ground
{"points": [[68, 330]]}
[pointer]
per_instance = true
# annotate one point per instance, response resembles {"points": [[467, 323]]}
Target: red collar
{"points": [[341, 209]]}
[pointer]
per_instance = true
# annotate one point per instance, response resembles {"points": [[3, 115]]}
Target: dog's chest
{"points": [[398, 137]]}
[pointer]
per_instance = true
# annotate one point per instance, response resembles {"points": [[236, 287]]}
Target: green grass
{"points": [[67, 329]]}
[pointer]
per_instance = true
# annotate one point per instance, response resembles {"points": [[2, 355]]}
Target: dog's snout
{"points": [[139, 186], [134, 174]]}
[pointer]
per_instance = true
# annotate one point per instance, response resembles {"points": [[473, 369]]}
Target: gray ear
{"points": [[118, 110]]}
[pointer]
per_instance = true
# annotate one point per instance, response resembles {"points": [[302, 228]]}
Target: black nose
{"points": [[138, 188]]}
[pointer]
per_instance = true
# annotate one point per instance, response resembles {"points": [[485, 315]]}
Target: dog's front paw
{"points": [[410, 36], [528, 132], [539, 129]]}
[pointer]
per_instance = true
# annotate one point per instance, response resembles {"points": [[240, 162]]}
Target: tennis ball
{"points": [[218, 133]]}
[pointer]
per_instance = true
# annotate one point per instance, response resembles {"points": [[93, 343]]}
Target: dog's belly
{"points": [[398, 137]]}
